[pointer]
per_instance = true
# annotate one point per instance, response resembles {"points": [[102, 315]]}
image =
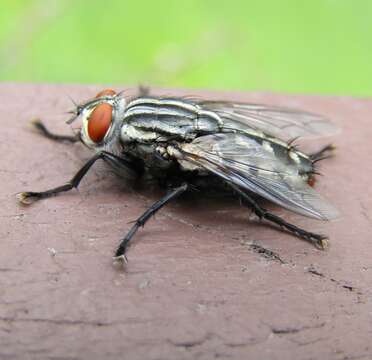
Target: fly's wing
{"points": [[244, 162], [280, 122]]}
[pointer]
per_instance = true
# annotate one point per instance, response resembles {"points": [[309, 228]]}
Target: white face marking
{"points": [[84, 130]]}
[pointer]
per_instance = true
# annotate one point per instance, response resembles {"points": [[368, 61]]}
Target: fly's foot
{"points": [[120, 253], [37, 125], [27, 198], [322, 244], [320, 241], [121, 259]]}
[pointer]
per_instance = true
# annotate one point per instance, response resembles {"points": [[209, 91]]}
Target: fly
{"points": [[185, 144]]}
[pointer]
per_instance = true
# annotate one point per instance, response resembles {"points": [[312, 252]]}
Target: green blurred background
{"points": [[317, 46]]}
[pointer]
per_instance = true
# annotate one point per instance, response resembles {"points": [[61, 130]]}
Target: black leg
{"points": [[143, 90], [318, 240], [31, 196], [45, 132], [141, 221], [324, 153]]}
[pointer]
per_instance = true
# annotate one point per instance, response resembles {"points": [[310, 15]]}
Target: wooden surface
{"points": [[194, 287]]}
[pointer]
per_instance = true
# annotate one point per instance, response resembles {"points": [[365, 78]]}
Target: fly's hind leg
{"points": [[320, 241], [141, 221], [43, 130], [324, 153], [29, 197]]}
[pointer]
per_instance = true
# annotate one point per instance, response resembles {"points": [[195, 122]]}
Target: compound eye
{"points": [[106, 92], [99, 122]]}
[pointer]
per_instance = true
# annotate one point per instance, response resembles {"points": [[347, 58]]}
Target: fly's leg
{"points": [[141, 221], [318, 240], [143, 90], [37, 124], [31, 196], [324, 153]]}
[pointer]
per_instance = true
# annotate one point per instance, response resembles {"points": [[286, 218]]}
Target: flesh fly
{"points": [[189, 144]]}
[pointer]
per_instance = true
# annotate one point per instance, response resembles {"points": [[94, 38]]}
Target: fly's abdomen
{"points": [[287, 154], [282, 150]]}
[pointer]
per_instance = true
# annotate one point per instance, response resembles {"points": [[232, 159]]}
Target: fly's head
{"points": [[101, 119]]}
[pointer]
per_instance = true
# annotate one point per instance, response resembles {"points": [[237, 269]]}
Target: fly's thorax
{"points": [[177, 152], [130, 133], [150, 119], [101, 120], [152, 155]]}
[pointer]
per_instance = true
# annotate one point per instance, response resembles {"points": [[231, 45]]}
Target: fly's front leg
{"points": [[141, 221], [318, 240], [42, 129], [31, 196]]}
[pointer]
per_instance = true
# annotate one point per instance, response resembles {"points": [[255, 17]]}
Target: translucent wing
{"points": [[241, 160], [276, 121]]}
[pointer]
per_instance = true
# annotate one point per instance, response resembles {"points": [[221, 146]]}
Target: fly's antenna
{"points": [[74, 112], [73, 101], [72, 118], [120, 93]]}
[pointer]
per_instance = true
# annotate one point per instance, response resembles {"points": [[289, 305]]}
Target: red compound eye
{"points": [[106, 92], [99, 122]]}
